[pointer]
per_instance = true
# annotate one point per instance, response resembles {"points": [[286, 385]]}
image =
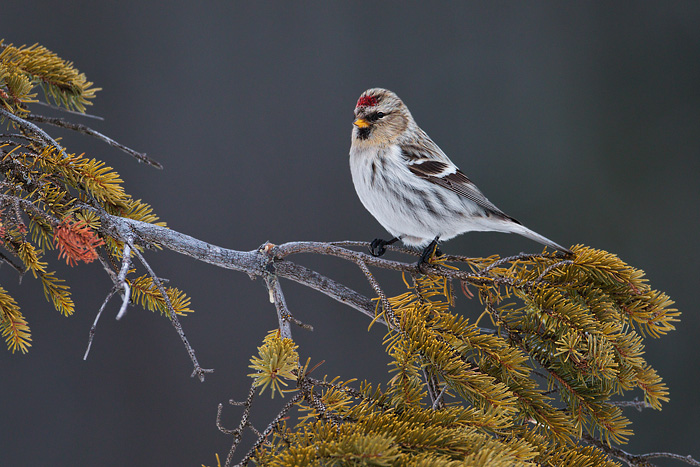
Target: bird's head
{"points": [[380, 118]]}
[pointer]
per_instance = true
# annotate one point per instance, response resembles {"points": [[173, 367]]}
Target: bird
{"points": [[410, 185]]}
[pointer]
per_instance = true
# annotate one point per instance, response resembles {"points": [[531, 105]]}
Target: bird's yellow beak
{"points": [[361, 123]]}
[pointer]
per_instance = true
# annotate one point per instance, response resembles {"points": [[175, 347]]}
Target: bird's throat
{"points": [[363, 133]]}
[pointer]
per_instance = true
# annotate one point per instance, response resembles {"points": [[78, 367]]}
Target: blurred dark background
{"points": [[580, 119]]}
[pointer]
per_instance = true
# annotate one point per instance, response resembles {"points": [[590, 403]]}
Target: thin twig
{"points": [[121, 278], [72, 112], [509, 259], [551, 267], [93, 328], [277, 297], [119, 284], [108, 268], [313, 398], [328, 286], [272, 426], [327, 384], [11, 137], [432, 384], [238, 432], [388, 311], [48, 140], [59, 122], [284, 316], [457, 258], [636, 460], [16, 267], [669, 455], [639, 405], [198, 370], [287, 315], [439, 400]]}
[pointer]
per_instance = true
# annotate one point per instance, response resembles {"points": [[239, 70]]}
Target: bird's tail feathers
{"points": [[532, 235]]}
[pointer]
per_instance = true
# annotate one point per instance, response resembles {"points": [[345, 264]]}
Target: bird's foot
{"points": [[428, 252], [378, 246]]}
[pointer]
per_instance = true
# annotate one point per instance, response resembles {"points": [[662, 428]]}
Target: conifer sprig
{"points": [[23, 68], [50, 197], [566, 344]]}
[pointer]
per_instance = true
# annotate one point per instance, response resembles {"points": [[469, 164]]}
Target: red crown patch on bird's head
{"points": [[366, 101]]}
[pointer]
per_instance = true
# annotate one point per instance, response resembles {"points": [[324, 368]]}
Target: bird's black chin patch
{"points": [[363, 133]]}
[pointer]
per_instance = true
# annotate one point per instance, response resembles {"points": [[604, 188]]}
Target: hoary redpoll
{"points": [[411, 187]]}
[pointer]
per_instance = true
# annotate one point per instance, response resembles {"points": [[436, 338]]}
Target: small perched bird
{"points": [[411, 187]]}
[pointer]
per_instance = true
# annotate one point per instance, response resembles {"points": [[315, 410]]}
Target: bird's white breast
{"points": [[392, 194], [409, 207]]}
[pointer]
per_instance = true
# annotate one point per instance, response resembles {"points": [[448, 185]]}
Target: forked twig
{"points": [[245, 422], [198, 370], [266, 432]]}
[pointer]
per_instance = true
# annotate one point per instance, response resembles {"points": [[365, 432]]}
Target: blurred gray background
{"points": [[582, 120]]}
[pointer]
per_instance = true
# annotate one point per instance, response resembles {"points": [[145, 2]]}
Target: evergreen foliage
{"points": [[48, 195], [566, 339], [534, 380], [22, 69]]}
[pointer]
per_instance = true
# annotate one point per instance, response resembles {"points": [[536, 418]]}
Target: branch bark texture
{"points": [[268, 259]]}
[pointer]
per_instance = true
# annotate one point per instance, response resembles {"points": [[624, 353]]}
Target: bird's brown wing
{"points": [[450, 177]]}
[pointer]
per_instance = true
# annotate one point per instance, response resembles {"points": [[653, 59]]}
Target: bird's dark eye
{"points": [[374, 116]]}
